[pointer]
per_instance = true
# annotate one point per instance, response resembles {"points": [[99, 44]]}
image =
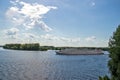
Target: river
{"points": [[46, 65]]}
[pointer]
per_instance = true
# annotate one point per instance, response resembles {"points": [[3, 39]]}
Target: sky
{"points": [[76, 23]]}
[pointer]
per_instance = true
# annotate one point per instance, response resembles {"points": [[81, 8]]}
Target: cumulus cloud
{"points": [[58, 38], [90, 39], [30, 36], [44, 26], [49, 37], [29, 15], [14, 2], [12, 31]]}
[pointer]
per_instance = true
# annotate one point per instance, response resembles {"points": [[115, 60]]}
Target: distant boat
{"points": [[80, 52]]}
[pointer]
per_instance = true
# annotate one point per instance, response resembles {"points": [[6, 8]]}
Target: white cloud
{"points": [[76, 40], [14, 2], [29, 15], [12, 31], [49, 37], [34, 10], [13, 11], [44, 26], [90, 39], [58, 38], [29, 38], [30, 35], [14, 16]]}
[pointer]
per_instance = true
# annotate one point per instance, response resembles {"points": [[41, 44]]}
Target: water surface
{"points": [[38, 65]]}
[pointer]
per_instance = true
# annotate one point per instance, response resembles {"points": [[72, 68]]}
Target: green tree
{"points": [[32, 46], [114, 49], [104, 78]]}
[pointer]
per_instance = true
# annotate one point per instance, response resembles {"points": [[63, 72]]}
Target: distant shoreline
{"points": [[37, 47]]}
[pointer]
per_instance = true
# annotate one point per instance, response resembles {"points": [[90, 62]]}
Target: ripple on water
{"points": [[31, 65]]}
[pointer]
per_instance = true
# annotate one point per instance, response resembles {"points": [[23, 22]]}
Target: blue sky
{"points": [[82, 23]]}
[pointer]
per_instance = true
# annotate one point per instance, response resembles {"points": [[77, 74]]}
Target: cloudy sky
{"points": [[59, 22]]}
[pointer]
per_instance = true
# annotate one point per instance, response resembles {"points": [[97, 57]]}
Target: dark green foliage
{"points": [[114, 62], [32, 46], [104, 78], [12, 46], [43, 48]]}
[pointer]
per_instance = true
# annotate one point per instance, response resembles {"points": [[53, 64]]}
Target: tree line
{"points": [[32, 46], [36, 46], [114, 62]]}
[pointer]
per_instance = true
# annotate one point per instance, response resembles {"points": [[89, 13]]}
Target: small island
{"points": [[29, 47], [74, 51]]}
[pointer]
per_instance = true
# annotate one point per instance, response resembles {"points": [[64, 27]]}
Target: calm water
{"points": [[37, 65]]}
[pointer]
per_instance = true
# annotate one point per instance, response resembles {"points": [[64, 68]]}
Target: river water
{"points": [[38, 65]]}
